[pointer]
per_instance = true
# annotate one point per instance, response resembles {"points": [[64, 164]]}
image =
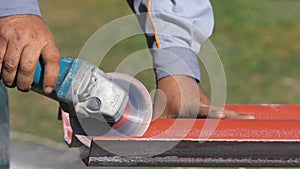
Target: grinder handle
{"points": [[37, 85]]}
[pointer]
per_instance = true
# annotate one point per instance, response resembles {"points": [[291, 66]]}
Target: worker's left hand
{"points": [[180, 96]]}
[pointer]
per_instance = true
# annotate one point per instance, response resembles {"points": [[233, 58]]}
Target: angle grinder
{"points": [[97, 103]]}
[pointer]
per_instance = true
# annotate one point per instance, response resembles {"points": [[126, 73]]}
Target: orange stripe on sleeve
{"points": [[153, 25]]}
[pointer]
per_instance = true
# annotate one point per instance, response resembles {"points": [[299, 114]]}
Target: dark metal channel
{"points": [[195, 154]]}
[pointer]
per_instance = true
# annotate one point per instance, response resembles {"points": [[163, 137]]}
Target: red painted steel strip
{"points": [[272, 123], [268, 111], [226, 130]]}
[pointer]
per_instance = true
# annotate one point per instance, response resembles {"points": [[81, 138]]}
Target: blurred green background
{"points": [[258, 42]]}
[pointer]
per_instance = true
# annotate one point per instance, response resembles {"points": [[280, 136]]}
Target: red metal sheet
{"points": [[272, 139], [273, 122], [224, 130], [268, 111], [228, 130]]}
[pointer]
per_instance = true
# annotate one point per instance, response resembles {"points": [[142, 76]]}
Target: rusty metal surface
{"points": [[272, 139]]}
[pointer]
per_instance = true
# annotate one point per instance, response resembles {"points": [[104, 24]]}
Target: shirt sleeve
{"points": [[175, 31], [16, 7]]}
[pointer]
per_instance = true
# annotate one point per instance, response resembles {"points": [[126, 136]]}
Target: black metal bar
{"points": [[190, 153]]}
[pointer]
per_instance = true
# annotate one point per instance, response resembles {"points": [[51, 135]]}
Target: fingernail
{"points": [[217, 116], [48, 90], [250, 117], [222, 116]]}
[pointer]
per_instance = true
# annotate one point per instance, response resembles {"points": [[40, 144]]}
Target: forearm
{"points": [[16, 7]]}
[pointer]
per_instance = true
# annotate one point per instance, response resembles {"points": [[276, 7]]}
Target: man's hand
{"points": [[180, 96], [23, 39]]}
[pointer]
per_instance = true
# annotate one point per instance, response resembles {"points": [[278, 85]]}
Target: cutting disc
{"points": [[137, 115]]}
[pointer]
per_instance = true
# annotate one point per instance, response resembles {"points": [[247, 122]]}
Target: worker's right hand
{"points": [[23, 39], [180, 96]]}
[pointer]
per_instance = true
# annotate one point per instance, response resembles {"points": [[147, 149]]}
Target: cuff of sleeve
{"points": [[10, 12], [17, 7], [175, 61]]}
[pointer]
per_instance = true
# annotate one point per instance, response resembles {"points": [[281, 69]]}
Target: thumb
{"points": [[210, 112]]}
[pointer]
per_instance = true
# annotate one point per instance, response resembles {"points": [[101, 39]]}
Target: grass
{"points": [[258, 42]]}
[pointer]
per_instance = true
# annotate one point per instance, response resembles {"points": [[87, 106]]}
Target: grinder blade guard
{"points": [[138, 113], [135, 119]]}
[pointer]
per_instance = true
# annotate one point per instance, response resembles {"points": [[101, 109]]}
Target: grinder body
{"points": [[85, 90], [98, 103]]}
